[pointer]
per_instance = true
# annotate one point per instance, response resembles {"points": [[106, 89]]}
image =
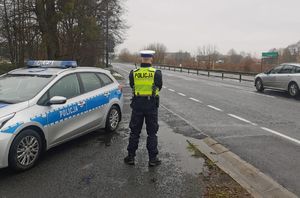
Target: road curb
{"points": [[253, 180]]}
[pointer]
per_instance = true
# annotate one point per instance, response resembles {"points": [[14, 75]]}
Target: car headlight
{"points": [[5, 119]]}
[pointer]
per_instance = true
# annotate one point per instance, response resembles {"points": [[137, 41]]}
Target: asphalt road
{"points": [[263, 129], [92, 166]]}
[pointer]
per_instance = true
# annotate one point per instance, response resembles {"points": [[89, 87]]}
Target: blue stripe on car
{"points": [[12, 129], [59, 115], [3, 105]]}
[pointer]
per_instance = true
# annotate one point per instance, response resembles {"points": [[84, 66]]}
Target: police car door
{"points": [[65, 120], [96, 98]]}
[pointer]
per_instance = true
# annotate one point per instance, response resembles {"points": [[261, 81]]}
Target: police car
{"points": [[50, 102]]}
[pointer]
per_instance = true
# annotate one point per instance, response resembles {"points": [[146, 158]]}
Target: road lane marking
{"points": [[164, 87], [195, 100], [258, 94], [181, 94], [281, 135], [172, 90], [215, 108], [242, 119]]}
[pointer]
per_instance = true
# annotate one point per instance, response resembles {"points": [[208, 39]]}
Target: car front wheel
{"points": [[113, 119], [293, 89], [259, 85], [25, 150]]}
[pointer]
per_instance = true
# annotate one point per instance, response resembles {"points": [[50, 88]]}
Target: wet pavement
{"points": [[92, 166]]}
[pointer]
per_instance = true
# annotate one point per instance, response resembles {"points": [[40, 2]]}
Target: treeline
{"points": [[207, 57], [82, 30]]}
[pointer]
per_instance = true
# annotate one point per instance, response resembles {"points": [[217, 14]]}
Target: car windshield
{"points": [[20, 88]]}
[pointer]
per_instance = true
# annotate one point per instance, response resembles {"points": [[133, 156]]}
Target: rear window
{"points": [[287, 69], [297, 70], [105, 79], [90, 82]]}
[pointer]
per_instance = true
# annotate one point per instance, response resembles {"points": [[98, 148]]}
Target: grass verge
{"points": [[218, 184]]}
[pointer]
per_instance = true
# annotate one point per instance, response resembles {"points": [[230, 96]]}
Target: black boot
{"points": [[129, 160], [154, 162]]}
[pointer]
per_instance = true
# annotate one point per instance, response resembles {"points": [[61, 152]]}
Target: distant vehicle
{"points": [[51, 102], [220, 61], [285, 77]]}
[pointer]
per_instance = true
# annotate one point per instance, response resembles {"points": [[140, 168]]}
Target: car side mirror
{"points": [[57, 100]]}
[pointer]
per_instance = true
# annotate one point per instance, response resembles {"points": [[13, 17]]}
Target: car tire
{"points": [[25, 150], [259, 85], [293, 89], [113, 119]]}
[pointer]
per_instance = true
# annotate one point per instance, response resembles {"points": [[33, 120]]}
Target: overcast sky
{"points": [[245, 25]]}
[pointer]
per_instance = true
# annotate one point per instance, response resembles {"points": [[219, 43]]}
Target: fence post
{"points": [[240, 77], [222, 75], [174, 69], [188, 71], [197, 72], [169, 68], [208, 74], [180, 69]]}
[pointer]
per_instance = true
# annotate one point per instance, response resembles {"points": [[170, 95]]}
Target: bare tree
{"points": [[234, 57], [207, 54], [47, 18], [160, 52], [61, 29], [287, 56]]}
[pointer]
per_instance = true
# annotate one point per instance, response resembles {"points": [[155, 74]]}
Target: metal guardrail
{"points": [[241, 76]]}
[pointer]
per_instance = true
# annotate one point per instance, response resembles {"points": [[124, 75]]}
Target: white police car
{"points": [[50, 102]]}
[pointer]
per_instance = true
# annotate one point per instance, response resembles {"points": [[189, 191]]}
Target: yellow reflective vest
{"points": [[144, 82]]}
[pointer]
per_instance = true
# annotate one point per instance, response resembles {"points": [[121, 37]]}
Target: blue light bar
{"points": [[51, 64]]}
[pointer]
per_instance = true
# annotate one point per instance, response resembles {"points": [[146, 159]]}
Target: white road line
{"points": [[164, 87], [258, 94], [281, 135], [215, 108], [172, 90], [195, 100], [242, 119], [181, 94]]}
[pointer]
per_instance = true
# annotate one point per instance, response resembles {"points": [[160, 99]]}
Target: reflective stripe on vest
{"points": [[144, 82]]}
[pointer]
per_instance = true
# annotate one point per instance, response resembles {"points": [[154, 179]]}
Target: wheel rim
{"points": [[27, 150], [258, 84], [293, 89], [114, 118]]}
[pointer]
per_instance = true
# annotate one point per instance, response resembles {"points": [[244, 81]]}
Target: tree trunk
{"points": [[47, 19]]}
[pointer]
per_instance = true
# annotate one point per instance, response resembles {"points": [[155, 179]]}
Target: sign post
{"points": [[269, 57]]}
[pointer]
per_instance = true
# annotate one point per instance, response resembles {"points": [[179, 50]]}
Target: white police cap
{"points": [[147, 53]]}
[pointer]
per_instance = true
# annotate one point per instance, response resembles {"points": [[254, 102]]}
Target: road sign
{"points": [[269, 54]]}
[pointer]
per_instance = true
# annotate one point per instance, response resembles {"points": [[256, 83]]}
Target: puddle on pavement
{"points": [[174, 143], [107, 138]]}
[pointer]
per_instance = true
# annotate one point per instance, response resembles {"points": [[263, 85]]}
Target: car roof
{"points": [[54, 71], [293, 64]]}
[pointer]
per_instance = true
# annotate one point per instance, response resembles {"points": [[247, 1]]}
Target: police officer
{"points": [[146, 82]]}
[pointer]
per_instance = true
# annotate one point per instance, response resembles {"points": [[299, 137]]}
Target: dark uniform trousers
{"points": [[144, 108]]}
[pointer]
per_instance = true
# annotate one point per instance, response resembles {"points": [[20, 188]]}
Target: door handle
{"points": [[81, 103]]}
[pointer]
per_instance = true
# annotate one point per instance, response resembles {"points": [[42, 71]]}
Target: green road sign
{"points": [[269, 54]]}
